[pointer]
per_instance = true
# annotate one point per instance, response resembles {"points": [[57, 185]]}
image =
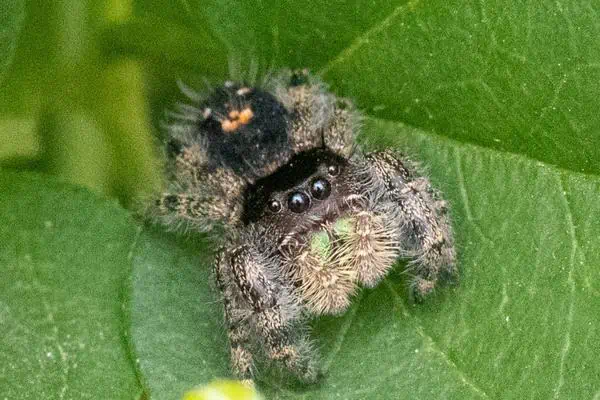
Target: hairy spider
{"points": [[307, 216]]}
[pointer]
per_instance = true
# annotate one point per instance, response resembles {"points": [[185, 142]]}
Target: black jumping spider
{"points": [[307, 216]]}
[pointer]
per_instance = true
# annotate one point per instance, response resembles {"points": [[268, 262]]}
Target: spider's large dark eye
{"points": [[333, 169], [320, 188], [298, 202], [274, 206]]}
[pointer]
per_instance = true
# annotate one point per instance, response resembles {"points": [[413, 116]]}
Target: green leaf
{"points": [[64, 260], [165, 43], [11, 20], [69, 109], [177, 332], [503, 100], [518, 77]]}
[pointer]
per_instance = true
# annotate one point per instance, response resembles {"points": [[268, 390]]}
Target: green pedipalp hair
{"points": [[320, 245], [343, 227]]}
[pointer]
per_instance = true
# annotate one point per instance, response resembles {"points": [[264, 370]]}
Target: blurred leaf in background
{"points": [[69, 110], [11, 21], [498, 99]]}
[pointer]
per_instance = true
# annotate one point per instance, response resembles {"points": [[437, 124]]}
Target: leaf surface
{"points": [[64, 261]]}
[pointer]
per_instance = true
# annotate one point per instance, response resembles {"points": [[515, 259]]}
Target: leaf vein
{"points": [[134, 243], [349, 319], [434, 346], [363, 39], [544, 112], [465, 197], [571, 282]]}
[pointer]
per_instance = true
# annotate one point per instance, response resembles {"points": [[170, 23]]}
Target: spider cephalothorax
{"points": [[308, 217]]}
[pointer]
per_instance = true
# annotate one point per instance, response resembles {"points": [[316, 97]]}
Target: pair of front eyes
{"points": [[299, 201]]}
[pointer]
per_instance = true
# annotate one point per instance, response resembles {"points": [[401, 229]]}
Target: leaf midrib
{"points": [[361, 39], [574, 250], [421, 332]]}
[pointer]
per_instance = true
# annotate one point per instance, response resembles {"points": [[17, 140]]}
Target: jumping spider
{"points": [[306, 215]]}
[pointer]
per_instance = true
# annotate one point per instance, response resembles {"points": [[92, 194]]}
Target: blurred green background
{"points": [[76, 83]]}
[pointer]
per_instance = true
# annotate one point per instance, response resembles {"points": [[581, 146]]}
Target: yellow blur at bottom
{"points": [[223, 390]]}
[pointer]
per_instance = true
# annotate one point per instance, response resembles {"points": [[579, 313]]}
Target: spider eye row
{"points": [[299, 201]]}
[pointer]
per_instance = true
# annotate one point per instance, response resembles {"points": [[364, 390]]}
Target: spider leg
{"points": [[193, 208], [267, 308], [238, 330], [424, 221], [199, 199]]}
